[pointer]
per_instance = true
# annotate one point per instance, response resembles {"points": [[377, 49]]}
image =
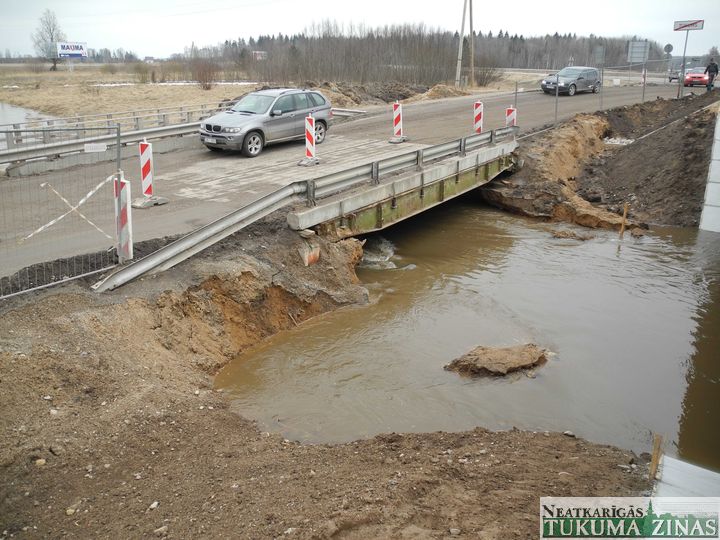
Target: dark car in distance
{"points": [[571, 80]]}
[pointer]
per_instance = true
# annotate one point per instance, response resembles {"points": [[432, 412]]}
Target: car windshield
{"points": [[697, 70], [569, 72], [253, 103]]}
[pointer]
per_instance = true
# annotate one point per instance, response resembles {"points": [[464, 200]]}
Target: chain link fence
{"points": [[48, 218]]}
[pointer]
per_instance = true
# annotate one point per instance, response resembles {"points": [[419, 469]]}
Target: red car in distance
{"points": [[696, 76]]}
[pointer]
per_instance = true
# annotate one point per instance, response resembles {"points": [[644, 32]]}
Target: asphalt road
{"points": [[203, 185]]}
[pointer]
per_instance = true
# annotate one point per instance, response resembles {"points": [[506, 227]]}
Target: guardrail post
{"points": [[110, 125], [136, 122], [463, 145], [310, 191], [11, 137], [375, 174], [492, 137], [420, 159], [46, 132]]}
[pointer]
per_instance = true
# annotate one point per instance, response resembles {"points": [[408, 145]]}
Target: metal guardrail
{"points": [[77, 145], [19, 146], [196, 241]]}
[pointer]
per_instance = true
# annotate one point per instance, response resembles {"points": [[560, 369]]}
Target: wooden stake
{"points": [[624, 218], [656, 453]]}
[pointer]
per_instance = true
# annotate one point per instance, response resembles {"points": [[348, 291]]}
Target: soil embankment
{"points": [[111, 427], [571, 174]]}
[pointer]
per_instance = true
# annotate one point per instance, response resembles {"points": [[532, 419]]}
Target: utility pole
{"points": [[472, 48], [460, 46]]}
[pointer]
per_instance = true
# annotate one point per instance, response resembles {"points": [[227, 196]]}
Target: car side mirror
{"points": [[277, 112]]}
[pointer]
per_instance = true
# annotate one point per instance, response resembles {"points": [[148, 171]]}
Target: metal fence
{"points": [[44, 132], [59, 225]]}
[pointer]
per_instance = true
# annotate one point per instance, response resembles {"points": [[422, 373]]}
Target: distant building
{"points": [[259, 55], [149, 60]]}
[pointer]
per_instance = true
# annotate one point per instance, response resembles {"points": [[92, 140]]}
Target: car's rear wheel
{"points": [[571, 90], [253, 144], [320, 132]]}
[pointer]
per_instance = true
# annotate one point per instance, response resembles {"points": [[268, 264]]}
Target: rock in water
{"points": [[498, 360]]}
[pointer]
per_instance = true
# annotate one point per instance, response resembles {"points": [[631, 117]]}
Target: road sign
{"points": [[599, 55], [689, 25], [638, 52], [668, 48]]}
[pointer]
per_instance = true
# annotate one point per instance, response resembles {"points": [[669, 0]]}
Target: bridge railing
{"points": [[205, 236]]}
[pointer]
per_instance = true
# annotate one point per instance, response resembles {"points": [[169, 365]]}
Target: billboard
{"points": [[66, 49]]}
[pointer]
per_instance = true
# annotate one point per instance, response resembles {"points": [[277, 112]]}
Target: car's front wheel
{"points": [[571, 90], [596, 88], [320, 132], [253, 144]]}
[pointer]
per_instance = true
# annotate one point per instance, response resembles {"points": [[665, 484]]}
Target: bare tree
{"points": [[46, 37]]}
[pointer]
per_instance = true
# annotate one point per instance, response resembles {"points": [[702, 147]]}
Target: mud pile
{"points": [[110, 424], [662, 176]]}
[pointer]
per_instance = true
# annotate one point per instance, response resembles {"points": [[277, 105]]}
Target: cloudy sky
{"points": [[162, 27]]}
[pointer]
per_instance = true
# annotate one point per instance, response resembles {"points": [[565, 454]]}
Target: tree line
{"points": [[404, 53]]}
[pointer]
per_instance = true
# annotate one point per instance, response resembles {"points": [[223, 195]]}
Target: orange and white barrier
{"points": [[398, 135], [510, 117], [310, 157], [123, 218], [478, 117], [146, 168]]}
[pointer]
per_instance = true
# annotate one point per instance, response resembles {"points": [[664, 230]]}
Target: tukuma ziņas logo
{"points": [[629, 517]]}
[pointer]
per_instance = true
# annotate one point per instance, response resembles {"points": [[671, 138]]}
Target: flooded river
{"points": [[635, 326]]}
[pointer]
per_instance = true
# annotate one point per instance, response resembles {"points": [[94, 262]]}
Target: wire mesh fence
{"points": [[58, 225]]}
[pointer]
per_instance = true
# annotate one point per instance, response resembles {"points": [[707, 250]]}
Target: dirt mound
{"points": [[349, 94], [498, 360], [569, 167], [439, 91], [545, 185], [662, 176], [110, 423]]}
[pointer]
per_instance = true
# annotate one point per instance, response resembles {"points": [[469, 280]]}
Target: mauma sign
{"points": [[67, 49], [629, 517]]}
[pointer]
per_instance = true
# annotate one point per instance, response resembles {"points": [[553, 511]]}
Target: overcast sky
{"points": [[162, 27]]}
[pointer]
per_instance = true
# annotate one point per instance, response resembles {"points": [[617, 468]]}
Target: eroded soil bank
{"points": [[572, 174], [111, 428]]}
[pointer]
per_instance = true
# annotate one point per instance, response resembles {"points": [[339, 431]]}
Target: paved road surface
{"points": [[202, 185]]}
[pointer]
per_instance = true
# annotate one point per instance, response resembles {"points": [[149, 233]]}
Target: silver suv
{"points": [[571, 80], [265, 117]]}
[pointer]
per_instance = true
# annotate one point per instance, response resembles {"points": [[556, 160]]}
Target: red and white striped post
{"points": [[147, 169], [123, 218], [398, 135], [310, 157], [478, 117], [510, 117]]}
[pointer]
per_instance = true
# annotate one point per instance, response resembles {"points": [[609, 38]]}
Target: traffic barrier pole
{"points": [[478, 117], [147, 169], [310, 158], [510, 117], [123, 218], [398, 135]]}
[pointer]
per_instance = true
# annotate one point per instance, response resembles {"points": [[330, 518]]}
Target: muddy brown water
{"points": [[635, 326]]}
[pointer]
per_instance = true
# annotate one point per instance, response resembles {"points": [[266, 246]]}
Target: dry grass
{"points": [[65, 93]]}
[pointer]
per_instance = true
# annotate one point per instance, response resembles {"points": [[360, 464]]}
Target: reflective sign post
{"points": [[686, 26]]}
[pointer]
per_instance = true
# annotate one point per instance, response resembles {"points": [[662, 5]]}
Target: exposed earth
{"points": [[111, 426], [572, 174]]}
